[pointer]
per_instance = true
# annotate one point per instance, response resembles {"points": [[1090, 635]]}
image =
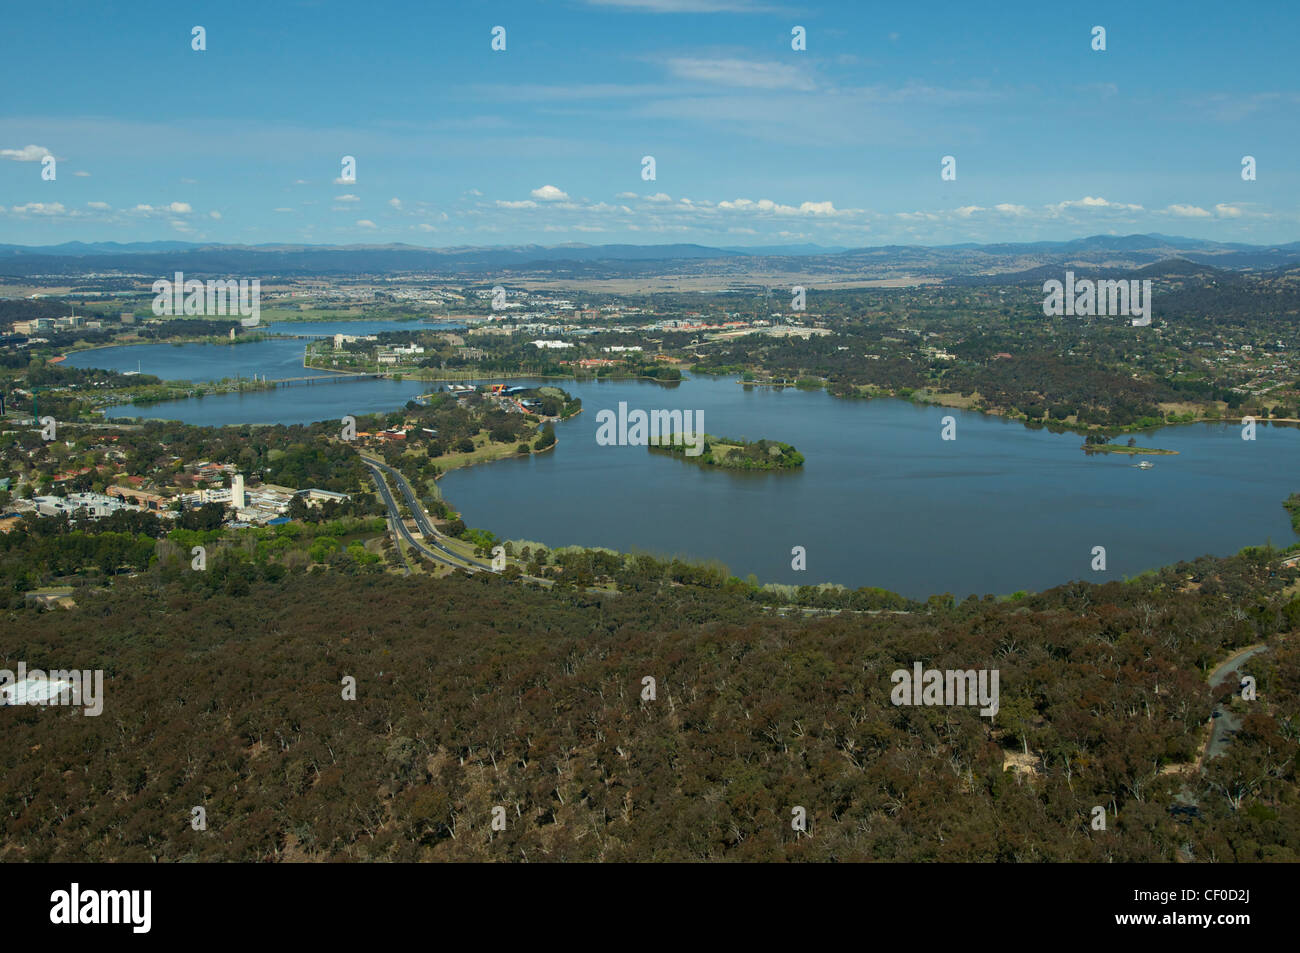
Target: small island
{"points": [[732, 454], [1112, 448]]}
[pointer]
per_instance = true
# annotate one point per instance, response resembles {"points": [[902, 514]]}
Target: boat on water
{"points": [[1145, 465]]}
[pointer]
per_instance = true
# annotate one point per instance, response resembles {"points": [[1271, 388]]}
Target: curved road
{"points": [[1224, 722], [432, 550], [430, 533]]}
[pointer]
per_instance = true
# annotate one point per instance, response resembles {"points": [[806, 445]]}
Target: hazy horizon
{"points": [[828, 249]]}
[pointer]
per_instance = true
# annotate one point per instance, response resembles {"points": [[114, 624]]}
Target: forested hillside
{"points": [[476, 693]]}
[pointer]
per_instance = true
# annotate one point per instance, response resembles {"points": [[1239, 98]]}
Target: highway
{"points": [[427, 529], [433, 550]]}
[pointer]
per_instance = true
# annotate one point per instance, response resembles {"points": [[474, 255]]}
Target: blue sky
{"points": [[754, 143]]}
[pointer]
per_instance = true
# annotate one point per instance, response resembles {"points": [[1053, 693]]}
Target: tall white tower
{"points": [[237, 492]]}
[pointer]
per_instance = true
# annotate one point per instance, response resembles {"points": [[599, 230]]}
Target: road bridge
{"points": [[322, 379]]}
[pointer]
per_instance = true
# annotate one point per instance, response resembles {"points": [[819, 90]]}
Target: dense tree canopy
{"points": [[478, 693]]}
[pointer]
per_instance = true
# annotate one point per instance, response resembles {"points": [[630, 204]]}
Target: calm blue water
{"points": [[200, 362], [881, 500], [274, 359], [212, 362]]}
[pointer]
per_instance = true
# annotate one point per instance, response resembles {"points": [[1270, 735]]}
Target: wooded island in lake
{"points": [[733, 454]]}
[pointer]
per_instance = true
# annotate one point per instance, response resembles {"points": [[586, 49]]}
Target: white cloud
{"points": [[749, 74], [966, 211], [342, 181], [366, 223], [282, 209], [549, 193], [775, 208], [1091, 201], [40, 208], [81, 174], [816, 208], [25, 154], [214, 214], [395, 203], [1188, 211], [180, 208], [100, 206], [822, 220], [426, 227], [346, 198]]}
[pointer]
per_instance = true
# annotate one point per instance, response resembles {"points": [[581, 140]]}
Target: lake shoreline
{"points": [[888, 504]]}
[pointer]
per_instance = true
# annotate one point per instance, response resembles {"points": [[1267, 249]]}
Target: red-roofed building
{"points": [[60, 477]]}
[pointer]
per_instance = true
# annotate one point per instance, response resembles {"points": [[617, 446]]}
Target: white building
{"points": [[315, 497], [52, 505], [237, 491], [216, 494], [94, 505]]}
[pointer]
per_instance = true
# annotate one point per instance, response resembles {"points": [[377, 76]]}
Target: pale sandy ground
{"points": [[1021, 763]]}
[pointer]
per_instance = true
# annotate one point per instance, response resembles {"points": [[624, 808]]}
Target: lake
{"points": [[274, 359], [881, 500]]}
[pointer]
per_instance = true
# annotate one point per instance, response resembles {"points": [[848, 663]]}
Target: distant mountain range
{"points": [[579, 261], [565, 252]]}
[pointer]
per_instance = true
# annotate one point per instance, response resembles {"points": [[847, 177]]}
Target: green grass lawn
{"points": [[485, 451]]}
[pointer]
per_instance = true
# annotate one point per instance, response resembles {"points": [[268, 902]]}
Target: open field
{"points": [[485, 452]]}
